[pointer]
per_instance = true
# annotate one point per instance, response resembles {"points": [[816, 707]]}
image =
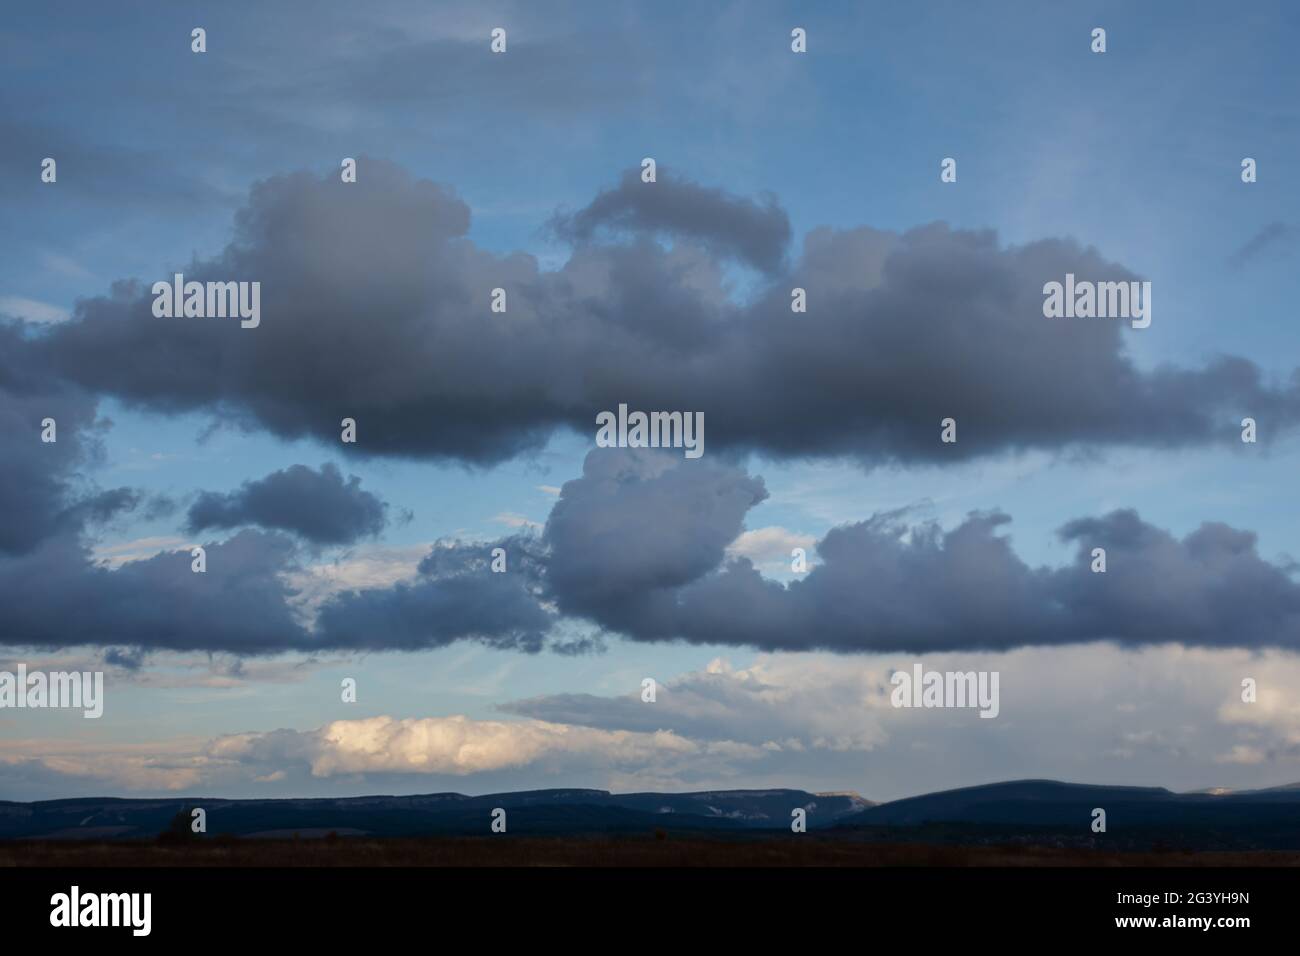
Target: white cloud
{"points": [[138, 549], [459, 745], [163, 765], [65, 266], [1160, 716], [513, 520], [769, 548], [361, 568], [30, 310]]}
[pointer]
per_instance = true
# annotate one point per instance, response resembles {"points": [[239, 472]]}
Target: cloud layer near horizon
{"points": [[813, 720]]}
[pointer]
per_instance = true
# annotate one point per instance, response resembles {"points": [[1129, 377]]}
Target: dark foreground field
{"points": [[631, 851]]}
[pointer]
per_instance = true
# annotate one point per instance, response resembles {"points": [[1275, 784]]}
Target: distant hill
{"points": [[1050, 803], [1019, 812], [535, 812]]}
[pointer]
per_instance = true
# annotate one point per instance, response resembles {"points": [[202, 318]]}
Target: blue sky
{"points": [[1135, 152]]}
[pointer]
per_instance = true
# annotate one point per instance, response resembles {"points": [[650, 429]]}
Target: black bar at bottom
{"points": [[541, 903]]}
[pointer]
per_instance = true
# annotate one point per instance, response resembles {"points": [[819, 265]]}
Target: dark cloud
{"points": [[243, 603], [376, 306], [353, 323], [712, 705], [882, 585], [730, 226], [56, 597], [104, 506], [637, 526], [41, 488], [320, 506], [131, 659], [93, 173], [637, 547], [1208, 588], [1268, 238], [457, 596]]}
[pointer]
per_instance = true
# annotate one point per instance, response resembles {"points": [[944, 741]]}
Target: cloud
{"points": [[101, 174], [31, 310], [730, 226], [513, 520], [881, 584], [56, 596], [247, 603], [371, 566], [455, 745], [1268, 238], [902, 331], [771, 547], [316, 505], [176, 669], [1271, 723], [65, 266], [679, 519], [1162, 715], [884, 585], [1209, 587], [40, 490], [123, 552], [459, 745], [777, 703], [455, 596], [159, 766]]}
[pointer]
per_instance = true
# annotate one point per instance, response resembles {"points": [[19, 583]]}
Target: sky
{"points": [[477, 430]]}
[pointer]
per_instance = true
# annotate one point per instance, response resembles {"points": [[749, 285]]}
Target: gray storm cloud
{"points": [[378, 304], [42, 486], [729, 226], [376, 299], [884, 585], [319, 505], [455, 596], [637, 546]]}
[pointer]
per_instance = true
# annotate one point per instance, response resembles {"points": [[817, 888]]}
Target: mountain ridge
{"points": [[1012, 807]]}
